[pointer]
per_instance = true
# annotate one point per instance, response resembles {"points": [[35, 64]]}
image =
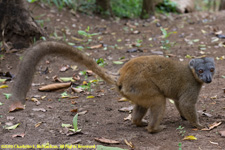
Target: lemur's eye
{"points": [[212, 70], [200, 71]]}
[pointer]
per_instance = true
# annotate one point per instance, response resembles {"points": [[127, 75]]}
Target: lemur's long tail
{"points": [[36, 53]]}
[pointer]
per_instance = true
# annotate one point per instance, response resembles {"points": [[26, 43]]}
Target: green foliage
{"points": [[166, 44], [75, 126], [7, 96], [31, 1], [120, 8], [85, 86], [101, 147], [181, 130], [86, 6], [101, 62], [1, 57], [64, 94], [166, 6], [206, 5], [180, 146], [60, 4], [85, 34], [126, 8]]}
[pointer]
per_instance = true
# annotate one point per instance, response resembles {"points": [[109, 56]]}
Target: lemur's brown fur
{"points": [[147, 81]]}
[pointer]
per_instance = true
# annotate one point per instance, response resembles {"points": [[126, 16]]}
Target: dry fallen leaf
{"points": [[215, 143], [18, 135], [128, 117], [76, 39], [96, 46], [213, 97], [130, 25], [10, 117], [136, 32], [126, 109], [55, 86], [57, 79], [77, 78], [82, 112], [17, 105], [64, 68], [107, 141], [123, 99], [204, 113], [218, 32], [38, 124], [43, 97], [68, 132], [74, 110], [222, 133], [214, 125], [73, 97], [39, 109], [77, 90], [36, 101], [130, 144], [74, 68], [89, 72]]}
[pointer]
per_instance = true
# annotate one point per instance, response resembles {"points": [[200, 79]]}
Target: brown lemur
{"points": [[146, 81]]}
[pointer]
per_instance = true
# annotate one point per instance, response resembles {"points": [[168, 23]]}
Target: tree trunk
{"points": [[148, 8], [17, 28], [222, 5], [104, 6]]}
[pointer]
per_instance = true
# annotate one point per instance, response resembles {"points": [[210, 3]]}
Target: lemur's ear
{"points": [[192, 63]]}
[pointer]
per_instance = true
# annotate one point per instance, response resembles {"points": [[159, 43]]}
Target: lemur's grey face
{"points": [[204, 68]]}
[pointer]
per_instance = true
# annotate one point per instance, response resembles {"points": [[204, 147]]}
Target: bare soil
{"points": [[103, 118]]}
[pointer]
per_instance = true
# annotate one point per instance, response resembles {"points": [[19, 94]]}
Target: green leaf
{"points": [[101, 147], [3, 86], [188, 56], [101, 62], [215, 40], [81, 32], [12, 127], [2, 80], [31, 1], [1, 103], [88, 29], [119, 40], [66, 125], [75, 127], [190, 137], [196, 40], [94, 81], [83, 72], [43, 38], [64, 94], [171, 101], [67, 79], [80, 48], [164, 32], [122, 58], [7, 95], [71, 44], [180, 128], [118, 62], [91, 96]]}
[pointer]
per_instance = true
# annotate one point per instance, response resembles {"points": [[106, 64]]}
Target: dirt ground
{"points": [[194, 37]]}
